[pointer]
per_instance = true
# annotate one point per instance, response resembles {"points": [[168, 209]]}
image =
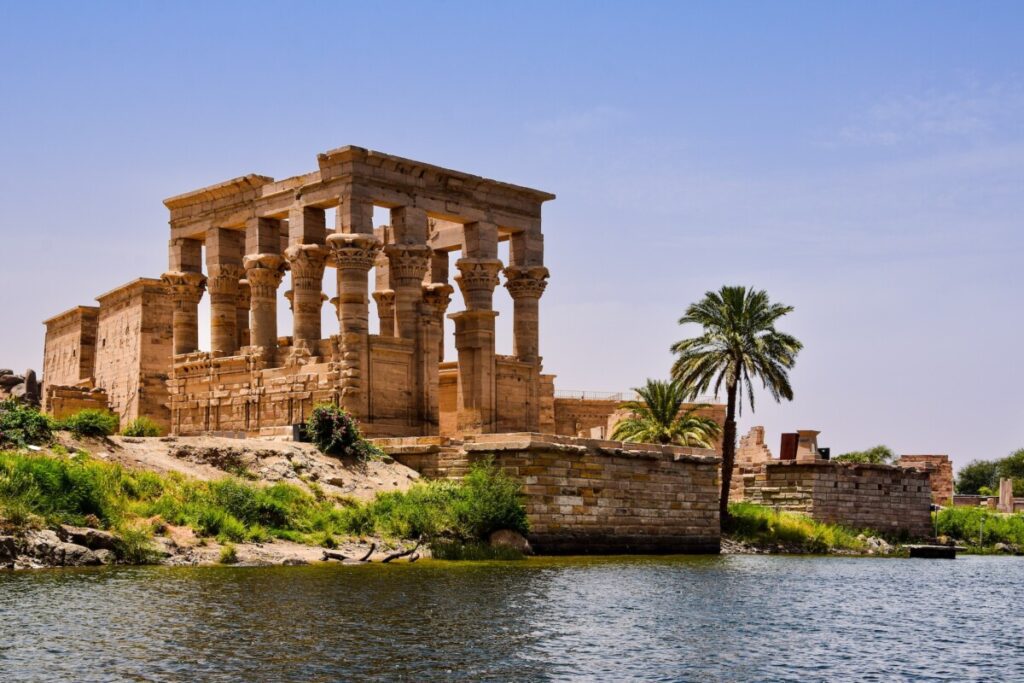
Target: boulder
{"points": [[72, 555], [105, 556], [93, 539], [6, 371], [506, 538], [8, 381], [32, 389]]}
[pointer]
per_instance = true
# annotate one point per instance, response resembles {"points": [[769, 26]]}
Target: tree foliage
{"points": [[879, 455], [659, 417], [739, 344]]}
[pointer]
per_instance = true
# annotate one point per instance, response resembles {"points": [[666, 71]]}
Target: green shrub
{"points": [[91, 422], [335, 432], [142, 426], [135, 547], [765, 525], [979, 527], [22, 425], [228, 554]]}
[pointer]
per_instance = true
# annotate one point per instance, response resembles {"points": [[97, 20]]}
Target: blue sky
{"points": [[862, 162]]}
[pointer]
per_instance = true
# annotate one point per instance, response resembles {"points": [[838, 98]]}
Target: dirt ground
{"points": [[211, 457]]}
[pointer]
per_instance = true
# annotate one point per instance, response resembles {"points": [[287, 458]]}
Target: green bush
{"points": [[978, 526], [764, 525], [91, 422], [485, 501], [142, 426], [335, 432], [22, 425], [228, 554]]}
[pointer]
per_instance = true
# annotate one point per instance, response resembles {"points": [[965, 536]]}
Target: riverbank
{"points": [[185, 502]]}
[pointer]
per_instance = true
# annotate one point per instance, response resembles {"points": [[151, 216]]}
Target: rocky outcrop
{"points": [[25, 387], [46, 548]]}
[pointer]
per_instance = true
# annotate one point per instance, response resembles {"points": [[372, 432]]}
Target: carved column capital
{"points": [[477, 278], [353, 251], [526, 281], [385, 299], [243, 294], [264, 273], [224, 279], [408, 263], [186, 287], [436, 297], [307, 260]]}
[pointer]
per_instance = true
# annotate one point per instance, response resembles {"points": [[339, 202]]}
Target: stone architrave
{"points": [[186, 289], [264, 273], [307, 263], [353, 255]]}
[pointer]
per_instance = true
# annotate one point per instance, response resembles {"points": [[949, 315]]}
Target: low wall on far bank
{"points": [[586, 496], [883, 498]]}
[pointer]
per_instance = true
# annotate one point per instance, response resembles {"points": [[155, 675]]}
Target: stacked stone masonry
{"points": [[591, 496], [121, 347], [884, 498], [941, 469]]}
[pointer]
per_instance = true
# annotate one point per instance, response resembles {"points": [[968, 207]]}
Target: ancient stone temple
{"points": [[259, 235]]}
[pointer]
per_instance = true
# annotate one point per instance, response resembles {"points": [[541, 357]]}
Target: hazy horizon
{"points": [[864, 164]]}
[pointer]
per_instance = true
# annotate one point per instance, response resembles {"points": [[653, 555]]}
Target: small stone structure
{"points": [[887, 498], [941, 470], [588, 495], [121, 347]]}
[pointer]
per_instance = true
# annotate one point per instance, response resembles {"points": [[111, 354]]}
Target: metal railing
{"points": [[615, 396]]}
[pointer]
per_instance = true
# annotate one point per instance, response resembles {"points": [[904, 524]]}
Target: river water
{"points": [[733, 618]]}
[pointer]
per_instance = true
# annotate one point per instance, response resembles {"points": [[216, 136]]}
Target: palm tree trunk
{"points": [[728, 451]]}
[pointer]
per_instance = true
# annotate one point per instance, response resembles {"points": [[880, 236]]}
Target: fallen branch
{"points": [[335, 555], [401, 553], [364, 558]]}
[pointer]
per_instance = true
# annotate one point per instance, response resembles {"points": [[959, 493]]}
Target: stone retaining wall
{"points": [[883, 498], [586, 496]]}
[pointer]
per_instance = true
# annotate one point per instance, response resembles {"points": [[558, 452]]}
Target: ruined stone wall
{"points": [[448, 398], [941, 470], [574, 416], [514, 396], [133, 350], [751, 455], [547, 404], [392, 380], [70, 346], [883, 498], [62, 401], [590, 496]]}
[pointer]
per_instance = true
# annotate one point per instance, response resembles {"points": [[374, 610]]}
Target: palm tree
{"points": [[739, 343], [658, 417]]}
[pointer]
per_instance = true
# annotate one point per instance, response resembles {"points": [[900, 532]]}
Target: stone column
{"points": [[264, 273], [353, 255], [242, 304], [307, 263], [474, 340], [185, 280], [526, 284], [186, 289], [436, 297], [224, 267], [264, 269], [408, 264], [385, 299]]}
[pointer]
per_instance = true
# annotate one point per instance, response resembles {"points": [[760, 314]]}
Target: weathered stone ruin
{"points": [[241, 241], [888, 498]]}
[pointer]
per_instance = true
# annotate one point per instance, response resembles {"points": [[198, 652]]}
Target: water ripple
{"points": [[641, 619]]}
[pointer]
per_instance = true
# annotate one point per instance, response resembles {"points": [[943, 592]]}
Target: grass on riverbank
{"points": [[980, 529], [41, 490], [765, 526]]}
